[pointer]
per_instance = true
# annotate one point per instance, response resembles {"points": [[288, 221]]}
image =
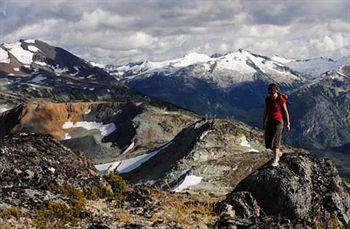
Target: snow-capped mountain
{"points": [[229, 85], [32, 68], [223, 70], [313, 68]]}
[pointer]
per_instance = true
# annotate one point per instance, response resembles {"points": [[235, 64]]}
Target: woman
{"points": [[275, 113]]}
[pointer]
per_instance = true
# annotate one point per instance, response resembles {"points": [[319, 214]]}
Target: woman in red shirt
{"points": [[275, 113]]}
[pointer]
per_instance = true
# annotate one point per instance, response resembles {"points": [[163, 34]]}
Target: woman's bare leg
{"points": [[276, 153]]}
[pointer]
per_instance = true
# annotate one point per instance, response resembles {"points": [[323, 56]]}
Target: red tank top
{"points": [[274, 107]]}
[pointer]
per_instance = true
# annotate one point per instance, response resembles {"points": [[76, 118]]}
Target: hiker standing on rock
{"points": [[275, 114]]}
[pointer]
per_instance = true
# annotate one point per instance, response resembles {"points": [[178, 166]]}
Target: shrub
{"points": [[76, 197], [11, 212], [56, 214], [98, 192], [117, 183]]}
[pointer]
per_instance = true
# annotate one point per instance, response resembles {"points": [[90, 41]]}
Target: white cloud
{"points": [[120, 31]]}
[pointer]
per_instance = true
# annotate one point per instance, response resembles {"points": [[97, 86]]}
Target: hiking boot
{"points": [[280, 154]]}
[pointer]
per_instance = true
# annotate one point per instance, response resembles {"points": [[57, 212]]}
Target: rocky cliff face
{"points": [[303, 190]]}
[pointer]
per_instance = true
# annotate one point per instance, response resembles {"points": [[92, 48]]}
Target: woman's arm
{"points": [[286, 113]]}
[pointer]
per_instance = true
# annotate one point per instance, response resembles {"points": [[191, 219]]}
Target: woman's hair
{"points": [[273, 88]]}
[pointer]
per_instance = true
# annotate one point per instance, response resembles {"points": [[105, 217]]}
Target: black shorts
{"points": [[273, 134]]}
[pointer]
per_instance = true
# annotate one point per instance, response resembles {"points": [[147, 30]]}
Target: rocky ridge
{"points": [[217, 153], [102, 130]]}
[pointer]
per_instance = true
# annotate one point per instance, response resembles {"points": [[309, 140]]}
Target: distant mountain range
{"points": [[234, 85]]}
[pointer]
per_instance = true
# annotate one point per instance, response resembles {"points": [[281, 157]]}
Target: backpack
{"points": [[280, 102], [285, 97]]}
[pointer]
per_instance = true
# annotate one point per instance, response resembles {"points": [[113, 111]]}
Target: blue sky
{"points": [[120, 31]]}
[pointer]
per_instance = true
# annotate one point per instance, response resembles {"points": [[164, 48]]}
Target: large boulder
{"points": [[302, 189]]}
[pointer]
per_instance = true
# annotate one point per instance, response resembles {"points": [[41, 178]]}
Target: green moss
{"points": [[117, 183], [11, 212]]}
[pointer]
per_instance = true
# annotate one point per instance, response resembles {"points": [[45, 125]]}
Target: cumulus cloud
{"points": [[121, 31]]}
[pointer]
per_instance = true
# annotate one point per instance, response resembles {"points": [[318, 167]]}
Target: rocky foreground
{"points": [[303, 192], [43, 184]]}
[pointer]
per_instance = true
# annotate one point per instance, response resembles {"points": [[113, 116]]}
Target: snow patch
{"points": [[67, 136], [130, 147], [59, 71], [131, 164], [128, 165], [94, 64], [38, 79], [29, 41], [67, 125], [4, 57], [245, 143], [280, 59], [4, 108], [105, 129], [125, 166], [32, 48], [106, 166], [40, 63], [23, 56], [254, 150], [190, 180]]}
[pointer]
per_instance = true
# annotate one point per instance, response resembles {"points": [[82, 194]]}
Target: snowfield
{"points": [[125, 166], [23, 56], [105, 129], [4, 57], [33, 48], [224, 70], [188, 181], [130, 164]]}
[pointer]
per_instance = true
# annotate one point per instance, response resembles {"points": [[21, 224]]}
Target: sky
{"points": [[120, 31]]}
